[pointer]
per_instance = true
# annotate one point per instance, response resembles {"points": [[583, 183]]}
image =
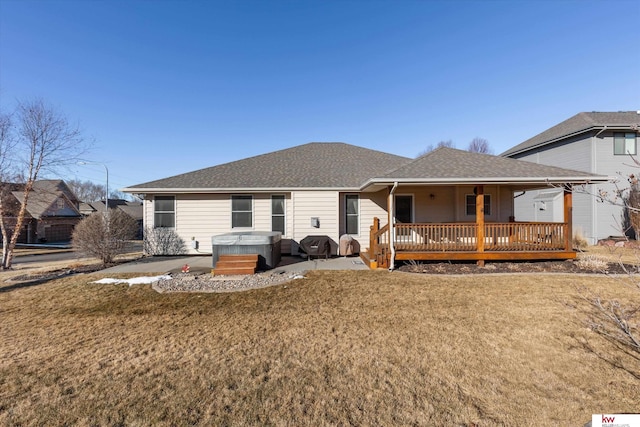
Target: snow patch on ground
{"points": [[133, 281]]}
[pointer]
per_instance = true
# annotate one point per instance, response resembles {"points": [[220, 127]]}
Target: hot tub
{"points": [[264, 243]]}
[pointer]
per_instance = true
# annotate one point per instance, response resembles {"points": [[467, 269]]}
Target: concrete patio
{"points": [[202, 264]]}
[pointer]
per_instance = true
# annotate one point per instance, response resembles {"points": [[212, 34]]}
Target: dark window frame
{"points": [[470, 208], [411, 206], [160, 216]]}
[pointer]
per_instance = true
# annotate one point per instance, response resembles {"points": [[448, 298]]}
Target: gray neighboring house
{"points": [[596, 142], [133, 209]]}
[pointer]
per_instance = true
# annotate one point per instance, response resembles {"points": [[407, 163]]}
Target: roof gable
{"points": [[312, 165], [580, 123], [457, 165], [47, 203]]}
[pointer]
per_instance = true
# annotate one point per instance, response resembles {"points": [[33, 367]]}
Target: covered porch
{"points": [[478, 241], [463, 203]]}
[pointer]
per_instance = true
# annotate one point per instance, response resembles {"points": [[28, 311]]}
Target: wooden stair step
{"points": [[227, 271], [232, 264], [238, 257]]}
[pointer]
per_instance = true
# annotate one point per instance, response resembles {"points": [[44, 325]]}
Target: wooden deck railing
{"points": [[502, 241], [509, 237]]}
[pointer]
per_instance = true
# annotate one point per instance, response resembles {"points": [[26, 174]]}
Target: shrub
{"points": [[579, 242], [163, 241], [104, 236], [592, 263]]}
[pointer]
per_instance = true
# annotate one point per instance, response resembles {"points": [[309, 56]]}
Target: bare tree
{"points": [[616, 321], [7, 150], [115, 194], [479, 145], [45, 142], [105, 236], [631, 215], [87, 191], [431, 147]]}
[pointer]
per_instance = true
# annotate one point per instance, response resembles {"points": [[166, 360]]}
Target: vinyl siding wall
{"points": [[371, 205], [592, 219], [314, 204], [609, 217], [201, 216], [576, 154]]}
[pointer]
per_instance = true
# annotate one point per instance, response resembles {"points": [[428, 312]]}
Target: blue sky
{"points": [[166, 87]]}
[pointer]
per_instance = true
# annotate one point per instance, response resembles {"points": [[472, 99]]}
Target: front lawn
{"points": [[335, 348]]}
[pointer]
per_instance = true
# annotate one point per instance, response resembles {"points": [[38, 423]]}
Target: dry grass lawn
{"points": [[335, 348], [613, 254]]}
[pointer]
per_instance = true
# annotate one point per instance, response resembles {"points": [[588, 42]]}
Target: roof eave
{"points": [[509, 153], [491, 180], [145, 190]]}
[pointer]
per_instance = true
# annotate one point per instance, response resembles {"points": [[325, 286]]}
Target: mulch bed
{"points": [[569, 266]]}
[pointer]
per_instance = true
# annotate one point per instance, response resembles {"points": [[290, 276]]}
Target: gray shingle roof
{"points": [[581, 122], [43, 196], [312, 165], [449, 163], [343, 166]]}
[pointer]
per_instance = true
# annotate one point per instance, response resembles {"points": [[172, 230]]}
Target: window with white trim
{"points": [[242, 211], [164, 212], [624, 143], [278, 213], [352, 213], [471, 204]]}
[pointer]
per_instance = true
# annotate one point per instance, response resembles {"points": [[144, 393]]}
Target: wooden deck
{"points": [[470, 242]]}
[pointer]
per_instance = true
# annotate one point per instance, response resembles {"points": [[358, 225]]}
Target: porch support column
{"points": [[392, 227], [568, 218], [480, 222]]}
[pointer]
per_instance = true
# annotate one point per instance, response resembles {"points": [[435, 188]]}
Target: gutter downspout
{"points": [[392, 227], [602, 130]]}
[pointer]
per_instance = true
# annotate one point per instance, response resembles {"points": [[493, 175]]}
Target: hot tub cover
{"points": [[247, 238]]}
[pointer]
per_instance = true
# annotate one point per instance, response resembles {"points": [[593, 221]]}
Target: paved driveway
{"points": [[203, 264]]}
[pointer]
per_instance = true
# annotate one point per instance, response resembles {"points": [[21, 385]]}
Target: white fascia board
{"points": [[140, 190], [500, 180]]}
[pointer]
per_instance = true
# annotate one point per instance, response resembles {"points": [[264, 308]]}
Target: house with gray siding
{"points": [[600, 143], [448, 204]]}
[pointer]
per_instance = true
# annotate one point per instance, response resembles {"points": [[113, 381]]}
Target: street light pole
{"points": [[106, 200]]}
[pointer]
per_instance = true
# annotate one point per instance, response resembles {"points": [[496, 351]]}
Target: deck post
{"points": [[373, 240], [568, 218], [480, 222]]}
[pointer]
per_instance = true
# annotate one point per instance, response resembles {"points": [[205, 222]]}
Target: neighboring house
{"points": [[595, 142], [52, 211], [133, 209], [448, 204]]}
